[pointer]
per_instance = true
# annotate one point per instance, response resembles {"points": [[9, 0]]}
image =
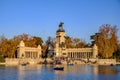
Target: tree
{"points": [[8, 47], [39, 40], [68, 42], [74, 42], [46, 47], [3, 46], [106, 40], [78, 43], [44, 51], [117, 53]]}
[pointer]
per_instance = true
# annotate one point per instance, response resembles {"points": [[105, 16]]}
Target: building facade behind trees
{"points": [[28, 52]]}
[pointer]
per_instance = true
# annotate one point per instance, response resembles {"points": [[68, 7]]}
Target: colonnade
{"points": [[78, 55], [31, 54]]}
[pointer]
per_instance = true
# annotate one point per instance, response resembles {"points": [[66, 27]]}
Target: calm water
{"points": [[76, 72]]}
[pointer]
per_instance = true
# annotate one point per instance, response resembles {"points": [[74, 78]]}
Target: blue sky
{"points": [[82, 18]]}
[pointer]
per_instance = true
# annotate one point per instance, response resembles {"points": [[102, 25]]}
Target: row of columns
{"points": [[77, 55], [30, 54]]}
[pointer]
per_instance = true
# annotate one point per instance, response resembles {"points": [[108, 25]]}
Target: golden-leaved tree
{"points": [[79, 43], [68, 42], [106, 40], [8, 47]]}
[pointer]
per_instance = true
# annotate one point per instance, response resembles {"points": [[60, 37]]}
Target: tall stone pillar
{"points": [[39, 51], [20, 50], [95, 51]]}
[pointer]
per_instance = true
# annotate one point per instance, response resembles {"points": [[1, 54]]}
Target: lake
{"points": [[46, 72]]}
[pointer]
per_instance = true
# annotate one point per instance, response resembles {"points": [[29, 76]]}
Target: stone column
{"points": [[21, 52], [95, 51], [39, 51]]}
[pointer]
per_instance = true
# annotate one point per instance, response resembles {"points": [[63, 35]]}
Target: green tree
{"points": [[2, 59], [117, 53]]}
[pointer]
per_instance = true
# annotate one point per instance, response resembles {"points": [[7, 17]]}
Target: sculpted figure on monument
{"points": [[61, 24]]}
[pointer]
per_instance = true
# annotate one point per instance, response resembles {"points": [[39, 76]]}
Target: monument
{"points": [[75, 53]]}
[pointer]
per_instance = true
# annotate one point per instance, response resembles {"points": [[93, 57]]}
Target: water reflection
{"points": [[108, 70], [46, 72], [8, 73], [25, 72]]}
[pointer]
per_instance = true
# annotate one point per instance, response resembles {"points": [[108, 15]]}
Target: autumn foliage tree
{"points": [[74, 42], [8, 47], [79, 43], [106, 40], [68, 42]]}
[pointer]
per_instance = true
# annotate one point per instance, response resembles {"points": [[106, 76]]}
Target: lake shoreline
{"points": [[117, 63], [2, 63]]}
